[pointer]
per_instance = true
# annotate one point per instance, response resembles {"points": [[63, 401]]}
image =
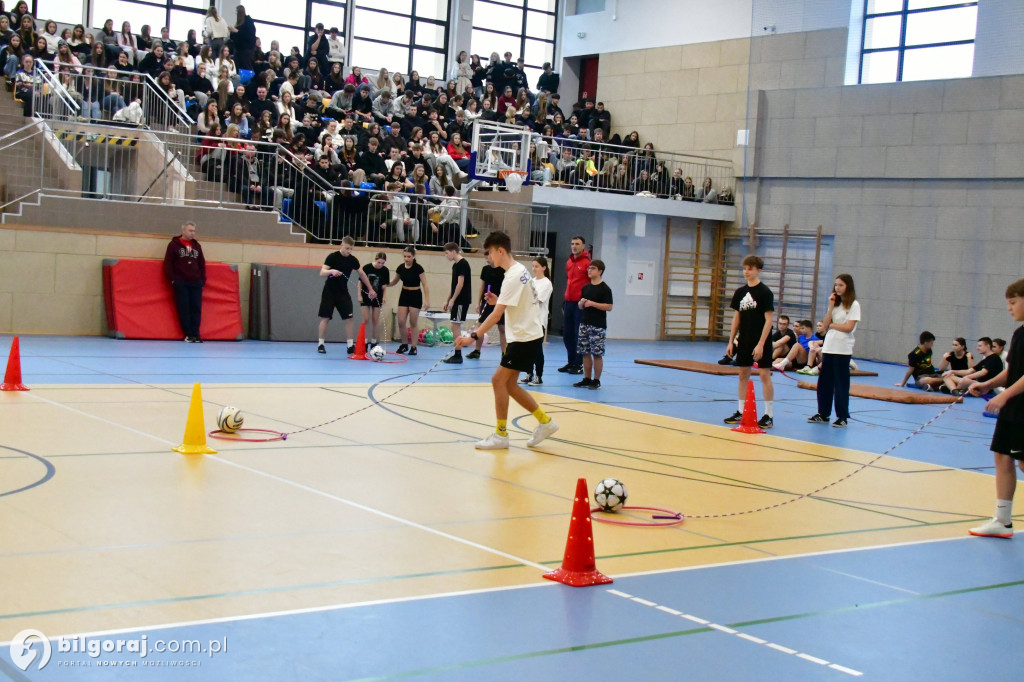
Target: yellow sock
{"points": [[502, 427], [541, 417]]}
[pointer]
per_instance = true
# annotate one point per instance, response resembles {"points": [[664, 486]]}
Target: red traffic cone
{"points": [[360, 353], [579, 567], [12, 378], [749, 422]]}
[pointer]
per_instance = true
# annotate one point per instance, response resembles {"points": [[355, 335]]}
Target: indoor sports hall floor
{"points": [[381, 545]]}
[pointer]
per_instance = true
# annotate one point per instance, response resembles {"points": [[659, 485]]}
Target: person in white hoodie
{"points": [[400, 217]]}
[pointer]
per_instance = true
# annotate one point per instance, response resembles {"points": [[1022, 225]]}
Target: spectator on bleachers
{"points": [[224, 59], [318, 45], [335, 80], [236, 116], [357, 78], [362, 104], [644, 183], [372, 164], [144, 41], [152, 63], [26, 28], [548, 81], [264, 130], [215, 30], [244, 38], [314, 74], [285, 106], [49, 32], [25, 82], [66, 59], [398, 85], [40, 51], [165, 40], [336, 47], [706, 193], [601, 119], [261, 104], [12, 56], [126, 42], [202, 87], [506, 100], [440, 181], [384, 108], [5, 30]]}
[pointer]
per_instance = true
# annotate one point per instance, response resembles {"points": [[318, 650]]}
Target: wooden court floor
{"points": [[103, 527]]}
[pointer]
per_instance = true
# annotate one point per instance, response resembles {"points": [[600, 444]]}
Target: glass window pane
{"points": [[536, 52], [372, 56], [532, 75], [933, 63], [133, 13], [196, 4], [944, 26], [879, 67], [267, 10], [287, 37], [540, 25], [428, 64], [515, 3], [497, 17], [328, 15], [485, 42], [402, 6], [182, 22], [544, 5], [925, 4], [381, 26], [882, 32], [432, 9], [429, 35], [880, 6], [63, 11]]}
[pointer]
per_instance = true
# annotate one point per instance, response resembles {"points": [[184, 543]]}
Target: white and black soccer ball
{"points": [[610, 494], [230, 419], [376, 353]]}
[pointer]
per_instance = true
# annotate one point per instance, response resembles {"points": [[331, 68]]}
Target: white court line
{"points": [[741, 635]]}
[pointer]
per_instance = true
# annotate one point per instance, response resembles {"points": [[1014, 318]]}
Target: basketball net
{"points": [[513, 180]]}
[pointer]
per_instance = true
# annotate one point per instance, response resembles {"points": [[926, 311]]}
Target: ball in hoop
{"points": [[513, 180]]}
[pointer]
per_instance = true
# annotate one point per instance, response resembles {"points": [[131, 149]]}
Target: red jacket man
{"points": [[185, 269], [575, 277]]}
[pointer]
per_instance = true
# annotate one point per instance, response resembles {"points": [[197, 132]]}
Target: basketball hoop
{"points": [[513, 180]]}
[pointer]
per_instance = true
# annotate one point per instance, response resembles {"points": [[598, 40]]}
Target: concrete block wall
{"points": [[51, 278]]}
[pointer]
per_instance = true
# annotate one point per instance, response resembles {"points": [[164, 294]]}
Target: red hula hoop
{"points": [[223, 435], [672, 522]]}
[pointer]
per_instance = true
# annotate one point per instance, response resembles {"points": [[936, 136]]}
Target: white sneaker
{"points": [[541, 432], [814, 371], [993, 529], [780, 365], [853, 365], [493, 442]]}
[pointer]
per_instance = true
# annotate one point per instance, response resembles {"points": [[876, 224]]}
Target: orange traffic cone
{"points": [[360, 353], [579, 567], [749, 422], [12, 378]]}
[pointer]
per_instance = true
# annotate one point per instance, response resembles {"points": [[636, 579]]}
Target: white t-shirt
{"points": [[519, 297], [543, 287], [837, 342]]}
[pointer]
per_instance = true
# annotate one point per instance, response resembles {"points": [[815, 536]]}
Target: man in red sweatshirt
{"points": [[185, 269], [575, 277]]}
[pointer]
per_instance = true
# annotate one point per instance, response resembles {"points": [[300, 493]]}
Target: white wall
{"points": [[997, 47]]}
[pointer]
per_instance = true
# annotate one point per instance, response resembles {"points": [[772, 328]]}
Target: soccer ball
{"points": [[610, 494], [376, 353], [230, 419]]}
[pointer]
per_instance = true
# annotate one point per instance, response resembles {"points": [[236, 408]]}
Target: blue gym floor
{"points": [[946, 610]]}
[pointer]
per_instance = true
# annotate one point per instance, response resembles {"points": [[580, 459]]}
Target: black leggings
{"points": [[538, 362]]}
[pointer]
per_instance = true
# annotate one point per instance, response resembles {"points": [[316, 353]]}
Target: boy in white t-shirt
{"points": [[518, 303]]}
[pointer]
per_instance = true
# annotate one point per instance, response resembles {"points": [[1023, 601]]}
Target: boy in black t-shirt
{"points": [[338, 268], [491, 277], [919, 360], [459, 299], [595, 302], [754, 304], [783, 338], [1008, 406]]}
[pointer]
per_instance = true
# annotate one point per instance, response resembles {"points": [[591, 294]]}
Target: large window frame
{"points": [[411, 46], [905, 13], [527, 7]]}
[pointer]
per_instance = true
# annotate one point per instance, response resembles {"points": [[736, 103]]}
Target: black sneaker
{"points": [[736, 418], [453, 360], [402, 349], [817, 419], [352, 349], [578, 369], [527, 379], [413, 351], [839, 424], [565, 369], [321, 349], [956, 391], [726, 360], [197, 339], [473, 355], [583, 383], [944, 389], [765, 422], [594, 385]]}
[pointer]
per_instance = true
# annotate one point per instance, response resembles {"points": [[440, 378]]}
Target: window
{"points": [[179, 16], [526, 28], [908, 40], [64, 11], [401, 36]]}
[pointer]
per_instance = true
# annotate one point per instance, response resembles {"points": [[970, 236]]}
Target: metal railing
{"points": [[107, 95]]}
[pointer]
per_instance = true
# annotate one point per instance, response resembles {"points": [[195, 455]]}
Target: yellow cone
{"points": [[195, 427]]}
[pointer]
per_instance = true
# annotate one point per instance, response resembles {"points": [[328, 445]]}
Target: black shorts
{"points": [[1008, 439], [745, 356], [459, 311], [371, 302], [330, 301], [486, 312], [521, 355], [410, 298]]}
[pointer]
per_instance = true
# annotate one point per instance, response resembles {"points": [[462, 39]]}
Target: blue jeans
{"points": [[834, 384], [11, 67], [572, 316]]}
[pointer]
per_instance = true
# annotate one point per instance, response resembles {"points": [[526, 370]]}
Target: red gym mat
{"points": [[892, 395], [720, 370], [140, 303]]}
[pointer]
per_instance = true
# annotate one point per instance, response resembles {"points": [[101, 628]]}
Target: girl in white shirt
{"points": [[837, 351], [224, 59], [215, 30], [126, 41], [542, 289]]}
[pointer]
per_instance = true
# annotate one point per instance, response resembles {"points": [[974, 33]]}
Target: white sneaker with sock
{"points": [[993, 528], [541, 432]]}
